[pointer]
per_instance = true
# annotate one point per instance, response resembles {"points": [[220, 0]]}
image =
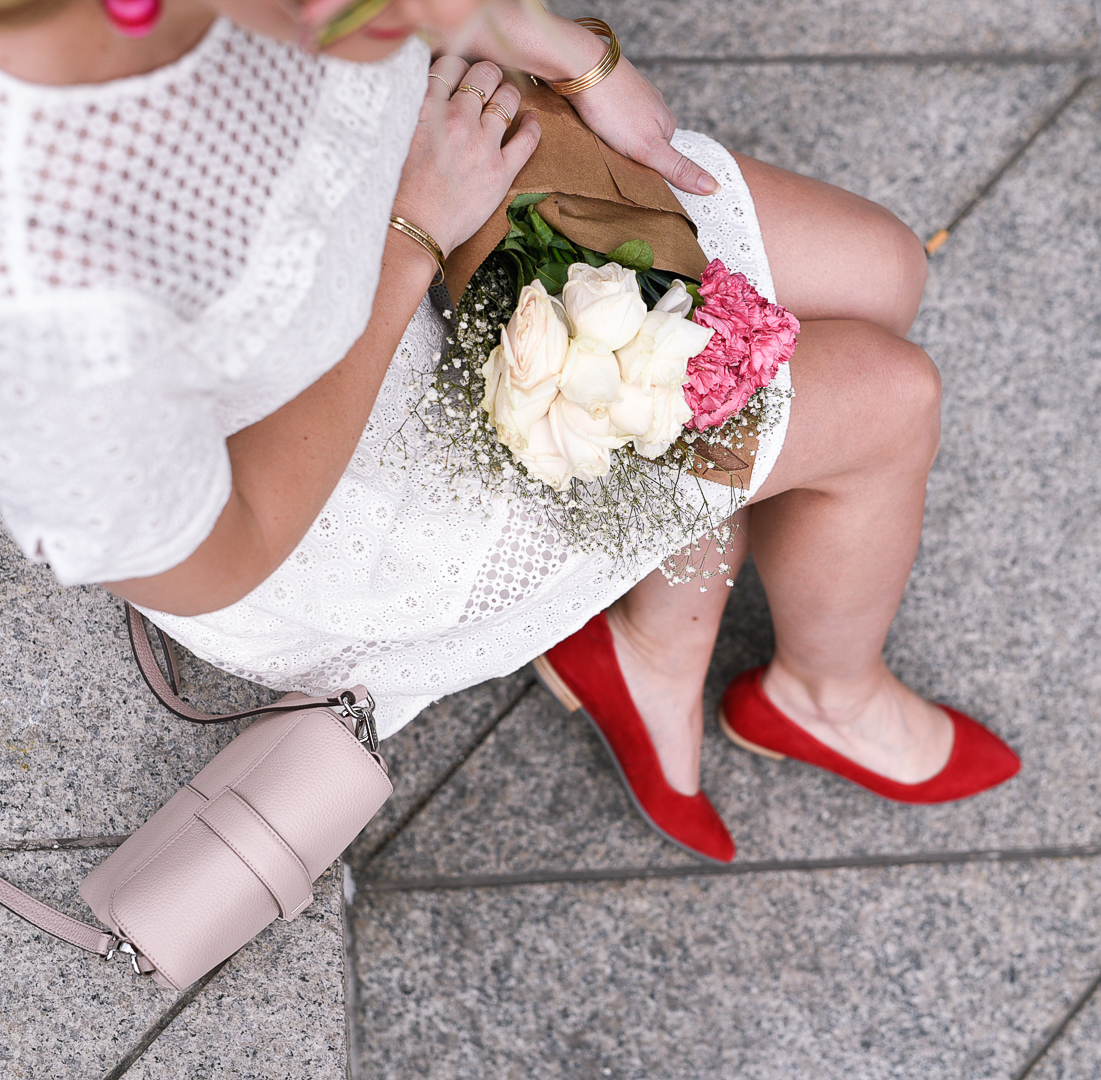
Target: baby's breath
{"points": [[638, 505]]}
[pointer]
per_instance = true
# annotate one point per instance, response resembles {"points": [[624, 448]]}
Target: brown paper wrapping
{"points": [[721, 465], [598, 198]]}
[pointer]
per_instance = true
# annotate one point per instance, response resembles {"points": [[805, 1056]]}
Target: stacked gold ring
{"points": [[466, 88], [450, 88], [500, 110], [602, 70]]}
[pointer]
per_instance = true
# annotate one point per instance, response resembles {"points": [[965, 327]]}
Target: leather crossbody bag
{"points": [[241, 844]]}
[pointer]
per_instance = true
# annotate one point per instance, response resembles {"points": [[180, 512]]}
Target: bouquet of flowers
{"points": [[604, 390], [602, 381]]}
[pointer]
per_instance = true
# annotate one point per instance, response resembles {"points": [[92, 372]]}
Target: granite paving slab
{"points": [[946, 130], [694, 28], [930, 973], [421, 755], [1076, 1054], [85, 748], [538, 793], [276, 1010], [66, 1015], [1000, 619]]}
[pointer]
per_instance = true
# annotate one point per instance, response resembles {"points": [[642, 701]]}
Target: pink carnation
{"points": [[752, 338]]}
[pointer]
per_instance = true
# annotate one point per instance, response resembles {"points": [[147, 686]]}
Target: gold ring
{"points": [[500, 110], [450, 88], [468, 89]]}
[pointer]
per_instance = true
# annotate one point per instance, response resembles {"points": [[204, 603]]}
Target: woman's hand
{"points": [[458, 172], [625, 109], [628, 112]]}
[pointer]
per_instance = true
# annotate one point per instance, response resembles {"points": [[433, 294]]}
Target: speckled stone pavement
{"points": [[507, 915]]}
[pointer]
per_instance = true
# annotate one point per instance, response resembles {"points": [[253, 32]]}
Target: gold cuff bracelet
{"points": [[424, 240], [602, 70]]}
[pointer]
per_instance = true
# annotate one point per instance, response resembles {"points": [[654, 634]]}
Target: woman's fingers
{"points": [[521, 146], [678, 170], [477, 87], [457, 171], [444, 77], [501, 108]]}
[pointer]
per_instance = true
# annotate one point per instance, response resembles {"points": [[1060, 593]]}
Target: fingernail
{"points": [[708, 185]]}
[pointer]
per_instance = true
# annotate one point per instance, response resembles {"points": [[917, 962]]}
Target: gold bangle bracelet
{"points": [[425, 242], [602, 70]]}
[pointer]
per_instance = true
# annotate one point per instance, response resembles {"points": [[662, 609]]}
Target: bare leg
{"points": [[667, 684], [835, 528], [834, 552]]}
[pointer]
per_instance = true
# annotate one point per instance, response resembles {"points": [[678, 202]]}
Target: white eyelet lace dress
{"points": [[183, 252]]}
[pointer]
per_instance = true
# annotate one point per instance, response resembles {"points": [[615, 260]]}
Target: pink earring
{"points": [[134, 18]]}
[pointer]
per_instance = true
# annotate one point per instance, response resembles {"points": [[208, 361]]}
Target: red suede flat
{"points": [[979, 759], [583, 674]]}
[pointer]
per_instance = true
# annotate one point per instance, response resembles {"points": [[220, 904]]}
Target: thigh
{"points": [[867, 403], [833, 254]]}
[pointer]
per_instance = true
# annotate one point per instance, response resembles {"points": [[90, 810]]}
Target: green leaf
{"points": [[529, 270], [633, 255], [542, 229], [553, 276], [593, 258], [562, 244], [525, 232], [513, 232], [527, 200], [694, 292], [649, 293]]}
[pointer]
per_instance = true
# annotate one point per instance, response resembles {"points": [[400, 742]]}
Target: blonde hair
{"points": [[15, 13]]}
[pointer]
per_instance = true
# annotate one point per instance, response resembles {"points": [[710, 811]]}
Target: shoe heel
{"points": [[745, 744], [553, 682]]}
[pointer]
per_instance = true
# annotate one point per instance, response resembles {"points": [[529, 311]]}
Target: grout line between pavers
{"points": [[736, 869], [1053, 1036], [997, 59], [392, 833], [940, 237], [61, 843], [158, 1028], [351, 992], [351, 984]]}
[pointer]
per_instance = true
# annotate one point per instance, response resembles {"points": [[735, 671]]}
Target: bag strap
{"points": [[167, 691], [92, 938]]}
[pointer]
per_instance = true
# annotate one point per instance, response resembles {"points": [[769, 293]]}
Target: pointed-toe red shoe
{"points": [[979, 759], [583, 674]]}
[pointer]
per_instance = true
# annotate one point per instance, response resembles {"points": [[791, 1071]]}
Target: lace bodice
{"points": [[180, 254]]}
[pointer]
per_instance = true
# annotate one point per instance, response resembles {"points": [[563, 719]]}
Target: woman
{"points": [[208, 335]]}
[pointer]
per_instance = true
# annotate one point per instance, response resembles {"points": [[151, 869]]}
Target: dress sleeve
{"points": [[110, 481]]}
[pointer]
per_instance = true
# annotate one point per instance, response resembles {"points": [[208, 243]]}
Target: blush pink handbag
{"points": [[240, 845]]}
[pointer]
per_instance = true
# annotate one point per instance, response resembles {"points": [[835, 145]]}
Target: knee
{"points": [[897, 268], [912, 400]]}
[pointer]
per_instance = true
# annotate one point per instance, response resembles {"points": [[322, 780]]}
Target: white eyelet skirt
{"points": [[398, 587]]}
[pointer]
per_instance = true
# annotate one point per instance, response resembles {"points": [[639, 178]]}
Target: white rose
{"points": [[512, 410], [676, 300], [568, 443], [603, 303], [659, 354], [590, 376], [671, 413], [536, 338], [633, 414]]}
